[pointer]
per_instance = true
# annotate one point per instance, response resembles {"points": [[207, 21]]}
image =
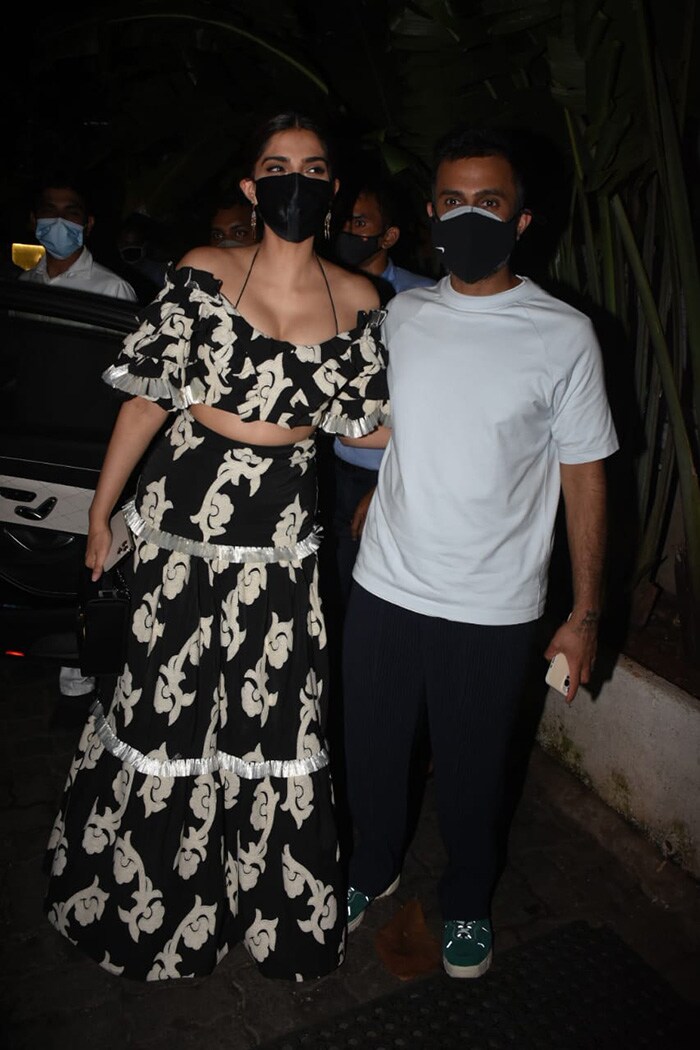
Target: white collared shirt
{"points": [[85, 275]]}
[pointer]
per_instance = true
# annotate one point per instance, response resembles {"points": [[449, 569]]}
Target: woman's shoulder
{"points": [[356, 292], [220, 262]]}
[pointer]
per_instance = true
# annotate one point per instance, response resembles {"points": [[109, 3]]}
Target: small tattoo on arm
{"points": [[589, 620]]}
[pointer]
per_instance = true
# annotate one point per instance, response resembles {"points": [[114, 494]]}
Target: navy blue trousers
{"points": [[470, 677], [351, 484]]}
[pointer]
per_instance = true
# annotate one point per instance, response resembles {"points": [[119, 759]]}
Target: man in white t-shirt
{"points": [[61, 220], [498, 406]]}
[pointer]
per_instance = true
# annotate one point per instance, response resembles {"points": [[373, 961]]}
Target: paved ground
{"points": [[570, 857]]}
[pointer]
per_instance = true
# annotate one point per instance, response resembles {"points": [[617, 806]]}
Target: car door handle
{"points": [[19, 495], [38, 513]]}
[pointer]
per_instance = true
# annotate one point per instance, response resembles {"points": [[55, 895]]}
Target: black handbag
{"points": [[104, 616]]}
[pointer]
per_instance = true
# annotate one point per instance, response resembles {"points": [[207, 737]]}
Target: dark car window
{"points": [[54, 347]]}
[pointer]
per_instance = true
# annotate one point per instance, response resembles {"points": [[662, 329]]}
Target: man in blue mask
{"points": [[62, 221], [498, 408]]}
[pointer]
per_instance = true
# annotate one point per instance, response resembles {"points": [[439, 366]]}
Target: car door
{"points": [[55, 424]]}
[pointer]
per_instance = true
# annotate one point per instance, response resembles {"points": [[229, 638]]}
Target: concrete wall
{"points": [[637, 745]]}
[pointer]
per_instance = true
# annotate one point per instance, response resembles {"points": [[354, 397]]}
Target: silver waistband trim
{"points": [[219, 551], [354, 428], [196, 767], [155, 389]]}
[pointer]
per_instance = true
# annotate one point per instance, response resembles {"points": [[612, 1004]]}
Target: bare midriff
{"points": [[229, 425]]}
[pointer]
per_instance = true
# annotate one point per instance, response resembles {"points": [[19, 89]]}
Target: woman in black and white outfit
{"points": [[198, 810]]}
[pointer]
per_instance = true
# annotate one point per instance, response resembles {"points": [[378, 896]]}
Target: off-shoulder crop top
{"points": [[193, 347]]}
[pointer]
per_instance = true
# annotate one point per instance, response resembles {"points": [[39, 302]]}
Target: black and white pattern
{"points": [[198, 810]]}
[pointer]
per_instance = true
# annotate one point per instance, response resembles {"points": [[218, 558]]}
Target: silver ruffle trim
{"points": [[219, 551], [155, 389], [354, 428], [196, 767], [158, 389]]}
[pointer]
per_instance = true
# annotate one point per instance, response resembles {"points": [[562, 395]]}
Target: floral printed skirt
{"points": [[198, 809]]}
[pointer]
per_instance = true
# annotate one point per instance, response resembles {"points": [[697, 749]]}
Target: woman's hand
{"points": [[98, 543], [137, 424]]}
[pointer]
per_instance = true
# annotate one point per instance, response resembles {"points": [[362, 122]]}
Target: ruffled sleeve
{"points": [[362, 403], [180, 353]]}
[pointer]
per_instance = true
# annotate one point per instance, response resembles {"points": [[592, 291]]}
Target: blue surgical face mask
{"points": [[60, 237]]}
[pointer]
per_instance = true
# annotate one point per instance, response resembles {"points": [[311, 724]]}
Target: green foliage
{"points": [[624, 95]]}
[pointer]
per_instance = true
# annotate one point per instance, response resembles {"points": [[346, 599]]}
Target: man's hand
{"points": [[358, 519], [577, 639]]}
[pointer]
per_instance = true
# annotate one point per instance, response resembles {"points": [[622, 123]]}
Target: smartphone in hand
{"points": [[122, 541], [558, 674]]}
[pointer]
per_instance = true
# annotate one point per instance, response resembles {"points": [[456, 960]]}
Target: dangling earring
{"points": [[254, 223], [327, 225]]}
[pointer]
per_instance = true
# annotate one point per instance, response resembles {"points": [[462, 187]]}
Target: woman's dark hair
{"points": [[284, 122]]}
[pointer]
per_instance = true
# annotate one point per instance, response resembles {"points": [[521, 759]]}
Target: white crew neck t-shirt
{"points": [[489, 394]]}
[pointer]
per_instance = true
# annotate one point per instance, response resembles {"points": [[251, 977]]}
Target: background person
{"points": [[231, 223], [365, 241], [198, 811], [498, 406], [370, 232], [139, 245], [61, 219]]}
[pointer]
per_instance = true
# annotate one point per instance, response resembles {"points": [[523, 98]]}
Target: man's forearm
{"points": [[584, 490], [583, 486]]}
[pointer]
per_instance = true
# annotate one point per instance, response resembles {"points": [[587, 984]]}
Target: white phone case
{"points": [[122, 541], [558, 674]]}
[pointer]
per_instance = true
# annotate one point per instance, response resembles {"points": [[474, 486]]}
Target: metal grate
{"points": [[578, 988]]}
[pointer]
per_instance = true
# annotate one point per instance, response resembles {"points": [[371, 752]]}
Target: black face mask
{"points": [[293, 205], [353, 249], [472, 243], [133, 253]]}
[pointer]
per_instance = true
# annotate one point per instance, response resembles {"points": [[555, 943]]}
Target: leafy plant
{"points": [[630, 249]]}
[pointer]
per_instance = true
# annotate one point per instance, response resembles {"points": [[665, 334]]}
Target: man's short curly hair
{"points": [[468, 141]]}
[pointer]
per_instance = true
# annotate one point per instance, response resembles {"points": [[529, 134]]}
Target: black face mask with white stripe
{"points": [[472, 243]]}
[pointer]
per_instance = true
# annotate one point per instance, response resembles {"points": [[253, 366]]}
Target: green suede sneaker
{"points": [[466, 947], [359, 902]]}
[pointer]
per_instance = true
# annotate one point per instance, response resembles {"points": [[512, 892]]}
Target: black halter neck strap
{"points": [[247, 278], [328, 289], [325, 278]]}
